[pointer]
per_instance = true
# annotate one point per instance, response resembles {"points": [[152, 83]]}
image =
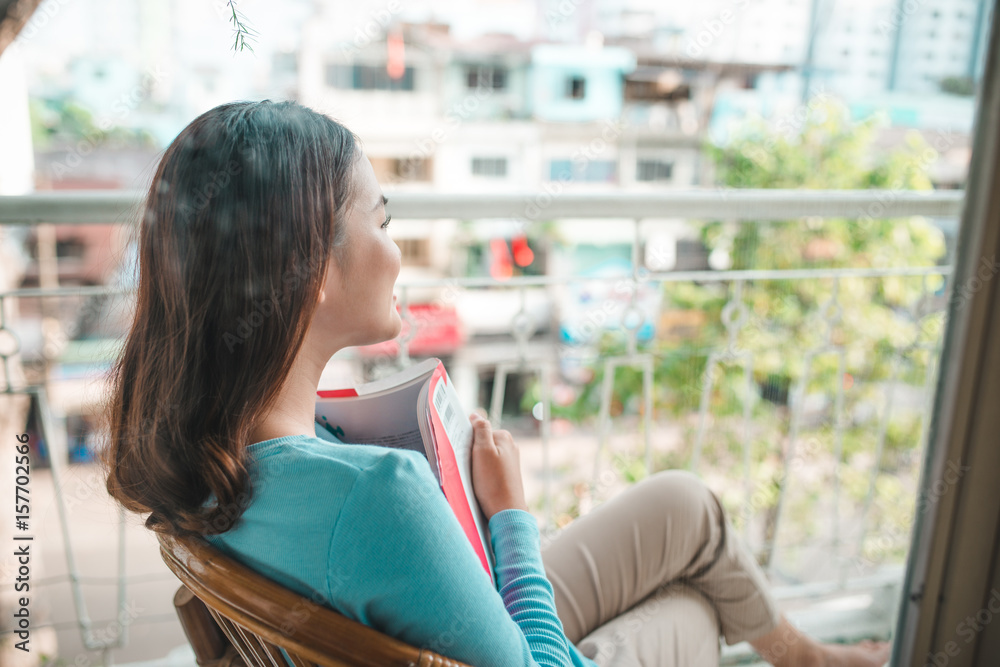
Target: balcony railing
{"points": [[803, 502]]}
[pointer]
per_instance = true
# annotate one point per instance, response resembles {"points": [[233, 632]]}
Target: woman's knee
{"points": [[675, 625], [684, 499], [681, 486]]}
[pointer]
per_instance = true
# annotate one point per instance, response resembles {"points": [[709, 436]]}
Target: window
{"points": [[486, 76], [654, 170], [415, 252], [285, 63], [401, 169], [576, 87], [490, 167], [70, 248], [560, 170], [592, 171], [338, 76], [412, 169], [367, 77]]}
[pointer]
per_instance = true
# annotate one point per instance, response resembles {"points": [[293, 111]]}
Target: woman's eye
{"points": [[386, 223]]}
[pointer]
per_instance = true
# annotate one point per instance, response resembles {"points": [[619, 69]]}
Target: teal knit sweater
{"points": [[367, 531]]}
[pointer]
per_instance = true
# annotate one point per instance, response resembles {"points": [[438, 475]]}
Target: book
{"points": [[418, 409]]}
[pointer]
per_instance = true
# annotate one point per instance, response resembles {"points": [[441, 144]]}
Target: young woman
{"points": [[263, 250]]}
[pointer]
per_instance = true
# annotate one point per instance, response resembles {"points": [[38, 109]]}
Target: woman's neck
{"points": [[294, 409]]}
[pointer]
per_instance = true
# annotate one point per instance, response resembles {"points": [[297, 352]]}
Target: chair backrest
{"points": [[259, 615]]}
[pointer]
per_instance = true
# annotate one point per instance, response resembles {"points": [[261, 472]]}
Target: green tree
{"points": [[63, 121], [876, 321], [830, 152]]}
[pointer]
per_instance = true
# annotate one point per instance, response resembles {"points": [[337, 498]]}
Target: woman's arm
{"points": [[400, 562], [525, 590]]}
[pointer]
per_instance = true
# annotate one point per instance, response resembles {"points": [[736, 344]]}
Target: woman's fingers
{"points": [[504, 442], [496, 469], [481, 431], [483, 434]]}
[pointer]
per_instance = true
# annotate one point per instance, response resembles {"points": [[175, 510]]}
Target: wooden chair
{"points": [[235, 617]]}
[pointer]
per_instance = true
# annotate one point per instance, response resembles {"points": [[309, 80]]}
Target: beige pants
{"points": [[653, 576]]}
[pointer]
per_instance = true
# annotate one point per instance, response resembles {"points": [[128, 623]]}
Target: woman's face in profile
{"points": [[360, 308]]}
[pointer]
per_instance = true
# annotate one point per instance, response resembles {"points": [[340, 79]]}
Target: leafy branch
{"points": [[240, 28]]}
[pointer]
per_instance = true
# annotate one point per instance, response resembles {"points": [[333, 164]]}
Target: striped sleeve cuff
{"points": [[515, 540]]}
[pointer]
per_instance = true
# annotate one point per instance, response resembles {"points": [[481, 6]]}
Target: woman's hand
{"points": [[496, 469]]}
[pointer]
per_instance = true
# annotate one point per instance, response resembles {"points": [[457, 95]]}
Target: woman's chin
{"points": [[398, 329], [392, 332]]}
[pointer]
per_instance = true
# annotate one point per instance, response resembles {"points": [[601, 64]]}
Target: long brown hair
{"points": [[240, 223]]}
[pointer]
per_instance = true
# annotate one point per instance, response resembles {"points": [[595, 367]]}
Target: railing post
{"points": [[829, 314], [522, 328]]}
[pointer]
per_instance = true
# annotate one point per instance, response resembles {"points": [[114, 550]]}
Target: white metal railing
{"points": [[552, 202], [720, 204]]}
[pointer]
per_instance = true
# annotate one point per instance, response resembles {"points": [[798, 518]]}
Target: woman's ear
{"points": [[327, 283], [334, 281]]}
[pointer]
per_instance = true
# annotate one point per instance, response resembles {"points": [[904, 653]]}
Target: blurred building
{"points": [[931, 47], [590, 96]]}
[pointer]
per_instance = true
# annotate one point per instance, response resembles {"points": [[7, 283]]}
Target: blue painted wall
{"points": [[602, 70]]}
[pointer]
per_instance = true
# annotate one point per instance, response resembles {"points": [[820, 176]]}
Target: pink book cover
{"points": [[416, 408]]}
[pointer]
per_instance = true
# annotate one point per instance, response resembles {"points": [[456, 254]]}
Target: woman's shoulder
{"points": [[301, 484], [309, 455]]}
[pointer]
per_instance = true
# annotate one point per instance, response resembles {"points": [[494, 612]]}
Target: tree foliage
{"points": [[884, 325]]}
